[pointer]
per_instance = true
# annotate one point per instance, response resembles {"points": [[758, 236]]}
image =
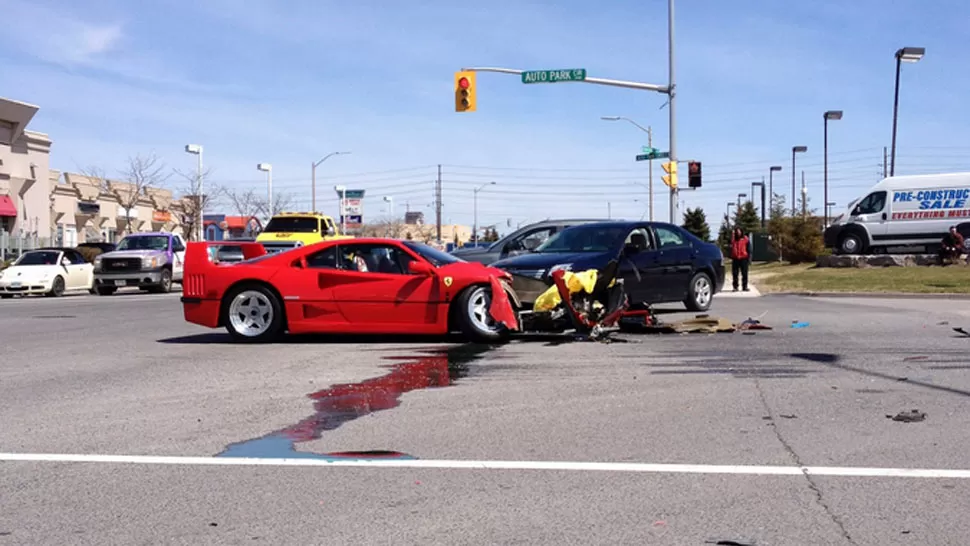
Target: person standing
{"points": [[740, 258]]}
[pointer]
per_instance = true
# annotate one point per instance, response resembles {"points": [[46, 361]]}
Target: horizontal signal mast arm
{"points": [[599, 81]]}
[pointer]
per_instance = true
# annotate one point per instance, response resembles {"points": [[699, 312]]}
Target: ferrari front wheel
{"points": [[474, 320], [253, 314]]}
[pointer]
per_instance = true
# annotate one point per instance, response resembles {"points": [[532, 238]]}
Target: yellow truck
{"points": [[289, 230]]}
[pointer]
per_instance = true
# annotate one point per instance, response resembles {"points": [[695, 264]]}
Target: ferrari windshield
{"points": [[588, 238], [38, 257], [144, 242], [433, 255], [293, 224]]}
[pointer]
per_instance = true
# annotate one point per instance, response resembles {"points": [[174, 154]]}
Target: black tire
{"points": [[106, 290], [473, 326], [700, 292], [260, 305], [851, 243], [57, 287], [165, 285]]}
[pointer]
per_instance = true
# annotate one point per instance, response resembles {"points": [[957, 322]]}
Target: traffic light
{"points": [[464, 91], [670, 179], [694, 174]]}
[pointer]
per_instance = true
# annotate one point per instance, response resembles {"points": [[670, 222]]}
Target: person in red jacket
{"points": [[740, 258]]}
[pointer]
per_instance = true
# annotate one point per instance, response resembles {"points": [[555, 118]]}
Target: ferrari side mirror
{"points": [[421, 268]]}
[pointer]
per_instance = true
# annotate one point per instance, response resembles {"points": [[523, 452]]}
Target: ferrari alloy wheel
{"points": [[253, 314], [700, 293], [473, 316]]}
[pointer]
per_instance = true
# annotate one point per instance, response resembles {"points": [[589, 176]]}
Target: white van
{"points": [[903, 211]]}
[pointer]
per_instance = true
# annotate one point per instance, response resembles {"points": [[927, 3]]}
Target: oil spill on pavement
{"points": [[343, 403]]}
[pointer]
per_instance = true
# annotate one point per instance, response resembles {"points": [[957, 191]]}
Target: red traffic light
{"points": [[694, 167], [464, 83]]}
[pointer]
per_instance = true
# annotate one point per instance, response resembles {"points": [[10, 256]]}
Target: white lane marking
{"points": [[497, 465]]}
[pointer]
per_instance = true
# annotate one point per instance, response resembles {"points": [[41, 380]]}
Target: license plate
{"points": [[15, 284], [119, 283]]}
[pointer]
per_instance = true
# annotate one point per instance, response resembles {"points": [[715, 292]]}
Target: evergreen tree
{"points": [[724, 235], [747, 218], [695, 221], [778, 208]]}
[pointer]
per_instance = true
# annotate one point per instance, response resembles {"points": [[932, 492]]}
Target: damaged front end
{"points": [[589, 302]]}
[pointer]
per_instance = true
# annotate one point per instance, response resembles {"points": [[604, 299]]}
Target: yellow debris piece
{"points": [[583, 281]]}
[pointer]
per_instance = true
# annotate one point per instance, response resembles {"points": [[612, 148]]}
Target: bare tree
{"points": [[281, 202], [189, 190], [96, 176], [245, 203], [142, 173]]}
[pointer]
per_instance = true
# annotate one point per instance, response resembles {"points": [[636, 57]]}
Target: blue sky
{"points": [[289, 82]]}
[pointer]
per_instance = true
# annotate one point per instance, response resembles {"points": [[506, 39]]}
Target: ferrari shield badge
{"points": [[448, 281]]}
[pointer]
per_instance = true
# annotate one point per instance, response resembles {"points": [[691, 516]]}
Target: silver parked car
{"points": [[520, 241]]}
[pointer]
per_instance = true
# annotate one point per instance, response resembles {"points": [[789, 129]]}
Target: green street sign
{"points": [[649, 150], [655, 154], [553, 76]]}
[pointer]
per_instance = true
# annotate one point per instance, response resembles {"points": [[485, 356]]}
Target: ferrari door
{"points": [[375, 290], [307, 296]]}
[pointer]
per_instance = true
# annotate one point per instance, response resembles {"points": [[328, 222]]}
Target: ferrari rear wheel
{"points": [[253, 314], [474, 319]]}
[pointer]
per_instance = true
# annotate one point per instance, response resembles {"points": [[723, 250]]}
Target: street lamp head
{"points": [[795, 149], [775, 168], [910, 54], [340, 189], [492, 182], [833, 114], [265, 167], [193, 148], [742, 195], [758, 184], [610, 118], [388, 198]]}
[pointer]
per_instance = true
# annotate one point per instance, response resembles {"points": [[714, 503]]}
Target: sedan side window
{"points": [[530, 240], [325, 259], [668, 238]]}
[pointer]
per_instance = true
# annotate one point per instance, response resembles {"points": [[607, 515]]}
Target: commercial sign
{"points": [[931, 204], [161, 216], [352, 208]]}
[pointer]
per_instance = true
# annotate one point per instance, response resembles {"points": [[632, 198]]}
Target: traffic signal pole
{"points": [[668, 90]]}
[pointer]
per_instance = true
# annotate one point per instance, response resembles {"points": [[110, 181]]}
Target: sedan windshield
{"points": [[144, 242], [589, 238], [41, 257], [433, 255]]}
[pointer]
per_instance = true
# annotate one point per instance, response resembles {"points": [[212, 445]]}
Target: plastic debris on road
{"points": [[797, 324], [914, 416], [583, 281]]}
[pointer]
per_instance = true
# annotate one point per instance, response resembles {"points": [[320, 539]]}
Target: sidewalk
{"points": [[729, 293]]}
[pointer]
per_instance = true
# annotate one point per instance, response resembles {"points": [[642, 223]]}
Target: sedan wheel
{"points": [[700, 293], [253, 314], [57, 287]]}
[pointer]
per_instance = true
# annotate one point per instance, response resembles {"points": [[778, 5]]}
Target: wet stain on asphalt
{"points": [[817, 357], [53, 316], [343, 403]]}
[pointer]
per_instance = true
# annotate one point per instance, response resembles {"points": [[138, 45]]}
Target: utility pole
{"points": [[437, 204], [650, 183], [885, 162], [672, 102]]}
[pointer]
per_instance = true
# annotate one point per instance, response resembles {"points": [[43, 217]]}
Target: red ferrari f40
{"points": [[347, 286]]}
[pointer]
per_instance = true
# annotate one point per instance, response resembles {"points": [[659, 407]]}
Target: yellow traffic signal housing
{"points": [[670, 179], [465, 91]]}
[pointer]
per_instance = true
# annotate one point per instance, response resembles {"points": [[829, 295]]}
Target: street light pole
{"points": [[909, 55], [478, 189], [268, 169], [794, 150], [762, 185], [197, 150], [390, 200], [313, 179], [649, 130], [836, 115], [771, 186], [740, 195]]}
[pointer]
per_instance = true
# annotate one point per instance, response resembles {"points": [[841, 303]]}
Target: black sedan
{"points": [[673, 264]]}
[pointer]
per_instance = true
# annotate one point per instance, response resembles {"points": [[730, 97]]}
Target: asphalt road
{"points": [[125, 376]]}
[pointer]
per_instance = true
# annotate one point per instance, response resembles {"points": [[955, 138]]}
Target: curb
{"points": [[871, 295]]}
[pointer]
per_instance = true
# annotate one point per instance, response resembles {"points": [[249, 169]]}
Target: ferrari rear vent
{"points": [[194, 286]]}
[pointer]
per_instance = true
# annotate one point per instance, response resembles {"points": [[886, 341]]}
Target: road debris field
{"points": [[844, 423]]}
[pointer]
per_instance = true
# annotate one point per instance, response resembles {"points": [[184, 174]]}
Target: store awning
{"points": [[7, 208]]}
